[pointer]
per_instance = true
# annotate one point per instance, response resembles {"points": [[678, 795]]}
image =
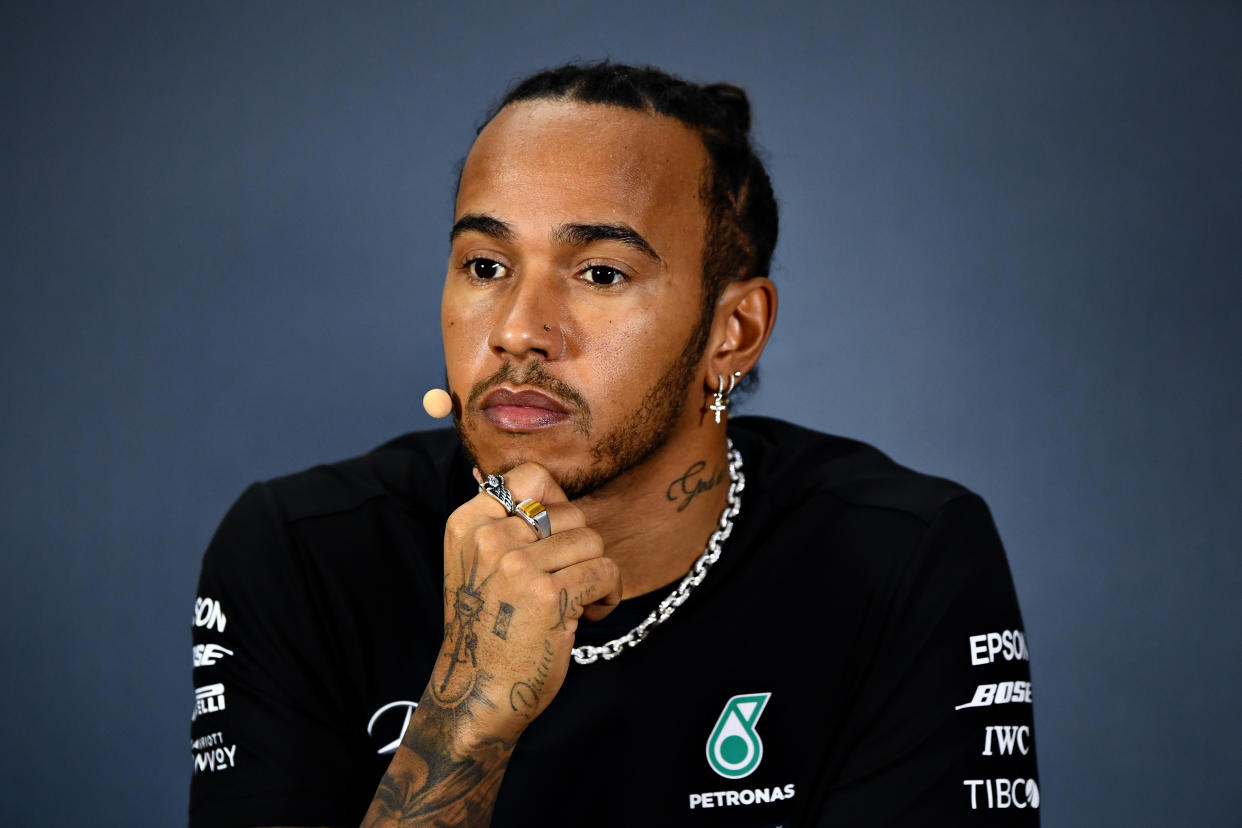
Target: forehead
{"points": [[560, 161]]}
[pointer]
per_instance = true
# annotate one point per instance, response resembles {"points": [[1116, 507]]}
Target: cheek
{"points": [[627, 356], [461, 340]]}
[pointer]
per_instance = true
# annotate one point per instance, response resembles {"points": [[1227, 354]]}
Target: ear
{"points": [[745, 314]]}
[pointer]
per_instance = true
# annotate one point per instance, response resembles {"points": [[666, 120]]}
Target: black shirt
{"points": [[855, 657]]}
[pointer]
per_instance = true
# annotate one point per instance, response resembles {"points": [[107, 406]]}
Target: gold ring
{"points": [[534, 513]]}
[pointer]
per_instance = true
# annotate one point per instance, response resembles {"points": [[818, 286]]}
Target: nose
{"points": [[528, 321]]}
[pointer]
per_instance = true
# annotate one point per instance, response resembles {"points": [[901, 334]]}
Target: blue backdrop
{"points": [[1010, 255]]}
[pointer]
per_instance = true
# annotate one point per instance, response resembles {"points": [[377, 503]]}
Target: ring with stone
{"points": [[534, 513], [494, 485]]}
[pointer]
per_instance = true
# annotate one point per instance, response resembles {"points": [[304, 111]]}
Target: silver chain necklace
{"points": [[586, 654]]}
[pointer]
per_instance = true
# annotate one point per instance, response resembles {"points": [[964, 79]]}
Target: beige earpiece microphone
{"points": [[437, 403]]}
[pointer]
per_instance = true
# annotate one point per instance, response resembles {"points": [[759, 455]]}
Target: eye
{"points": [[603, 276], [486, 269]]}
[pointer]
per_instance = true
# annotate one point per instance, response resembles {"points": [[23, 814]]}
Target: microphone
{"points": [[437, 403]]}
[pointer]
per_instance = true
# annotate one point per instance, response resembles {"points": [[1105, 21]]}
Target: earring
{"points": [[721, 403]]}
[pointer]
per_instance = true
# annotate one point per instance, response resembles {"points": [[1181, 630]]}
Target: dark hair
{"points": [[741, 209]]}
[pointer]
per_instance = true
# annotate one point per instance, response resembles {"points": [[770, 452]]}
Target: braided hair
{"points": [[741, 209]]}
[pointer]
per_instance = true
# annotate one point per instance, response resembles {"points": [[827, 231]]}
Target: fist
{"points": [[512, 603]]}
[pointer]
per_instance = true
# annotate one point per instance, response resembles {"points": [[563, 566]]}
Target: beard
{"points": [[640, 435]]}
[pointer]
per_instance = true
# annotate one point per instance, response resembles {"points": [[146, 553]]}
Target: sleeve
{"points": [[943, 731], [268, 740]]}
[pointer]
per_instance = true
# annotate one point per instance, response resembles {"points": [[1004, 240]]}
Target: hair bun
{"points": [[734, 103]]}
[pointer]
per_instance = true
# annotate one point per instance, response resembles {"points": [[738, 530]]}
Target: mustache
{"points": [[534, 375]]}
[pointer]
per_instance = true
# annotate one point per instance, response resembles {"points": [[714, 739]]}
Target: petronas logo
{"points": [[735, 749]]}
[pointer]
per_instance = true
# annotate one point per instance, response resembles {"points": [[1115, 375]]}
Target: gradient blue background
{"points": [[1009, 255]]}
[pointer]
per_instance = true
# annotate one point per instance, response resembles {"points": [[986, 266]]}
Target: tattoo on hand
{"points": [[564, 601], [455, 686], [682, 488], [579, 600], [503, 617], [524, 695]]}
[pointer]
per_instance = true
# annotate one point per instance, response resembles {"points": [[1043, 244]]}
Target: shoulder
{"points": [[810, 465], [411, 469], [324, 506], [850, 509]]}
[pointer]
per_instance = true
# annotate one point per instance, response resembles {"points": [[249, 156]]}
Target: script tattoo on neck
{"points": [[692, 484]]}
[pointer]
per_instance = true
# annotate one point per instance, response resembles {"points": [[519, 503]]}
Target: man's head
{"points": [[602, 216]]}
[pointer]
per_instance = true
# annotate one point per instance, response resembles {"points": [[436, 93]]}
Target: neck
{"points": [[656, 518]]}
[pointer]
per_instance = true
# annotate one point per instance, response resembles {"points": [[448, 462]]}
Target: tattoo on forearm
{"points": [[430, 782], [503, 617], [524, 695], [692, 484], [435, 785]]}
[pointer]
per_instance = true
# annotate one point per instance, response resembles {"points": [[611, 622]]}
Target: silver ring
{"points": [[494, 485], [534, 513]]}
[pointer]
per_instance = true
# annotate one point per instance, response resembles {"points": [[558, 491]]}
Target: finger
{"points": [[564, 549], [594, 583], [531, 480], [514, 536], [562, 517]]}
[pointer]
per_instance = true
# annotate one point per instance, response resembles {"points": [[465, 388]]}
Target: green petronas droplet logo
{"points": [[735, 749]]}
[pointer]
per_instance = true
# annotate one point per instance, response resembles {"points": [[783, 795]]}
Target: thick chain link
{"points": [[587, 654]]}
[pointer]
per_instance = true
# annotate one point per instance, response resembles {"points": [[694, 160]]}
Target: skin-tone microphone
{"points": [[437, 403]]}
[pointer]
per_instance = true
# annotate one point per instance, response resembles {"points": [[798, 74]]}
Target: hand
{"points": [[512, 603], [511, 607]]}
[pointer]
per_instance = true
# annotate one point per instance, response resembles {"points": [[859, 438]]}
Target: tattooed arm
{"points": [[509, 624], [436, 779]]}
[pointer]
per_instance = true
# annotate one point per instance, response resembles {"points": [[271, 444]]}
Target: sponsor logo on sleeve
{"points": [[209, 699], [398, 707], [1003, 793], [206, 655], [208, 613], [1006, 738], [1005, 692], [1009, 645], [211, 754]]}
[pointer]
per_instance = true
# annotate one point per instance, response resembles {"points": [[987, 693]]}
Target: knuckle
{"points": [[573, 514], [513, 564], [610, 570], [488, 535], [456, 527], [592, 540]]}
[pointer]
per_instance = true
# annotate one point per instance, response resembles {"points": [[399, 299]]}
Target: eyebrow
{"points": [[576, 235], [487, 225], [580, 235]]}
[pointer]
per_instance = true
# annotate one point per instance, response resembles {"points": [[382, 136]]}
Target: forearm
{"points": [[441, 774]]}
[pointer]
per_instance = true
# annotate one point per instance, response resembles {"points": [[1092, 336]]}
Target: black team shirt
{"points": [[855, 657]]}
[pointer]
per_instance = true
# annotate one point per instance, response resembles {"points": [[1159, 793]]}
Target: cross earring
{"points": [[721, 403]]}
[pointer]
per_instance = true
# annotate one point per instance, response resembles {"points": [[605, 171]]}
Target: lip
{"points": [[522, 410]]}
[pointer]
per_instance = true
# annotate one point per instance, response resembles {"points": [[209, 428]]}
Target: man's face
{"points": [[572, 304]]}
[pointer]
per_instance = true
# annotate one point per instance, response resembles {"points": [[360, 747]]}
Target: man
{"points": [[568, 612]]}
